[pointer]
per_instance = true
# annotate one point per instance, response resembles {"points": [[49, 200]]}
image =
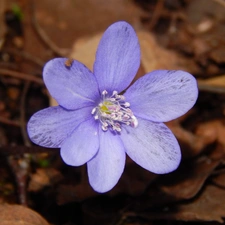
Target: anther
{"points": [[104, 92], [93, 111], [113, 112]]}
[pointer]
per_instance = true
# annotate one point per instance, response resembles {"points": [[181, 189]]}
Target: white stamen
{"points": [[104, 128], [127, 104], [135, 121], [115, 93], [93, 111], [104, 92], [113, 112]]}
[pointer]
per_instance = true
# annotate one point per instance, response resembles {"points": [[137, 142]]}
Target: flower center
{"points": [[113, 111]]}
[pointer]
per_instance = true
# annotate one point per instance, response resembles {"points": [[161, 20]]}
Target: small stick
{"points": [[9, 122], [20, 167], [19, 75], [18, 150], [25, 55], [22, 115], [211, 88]]}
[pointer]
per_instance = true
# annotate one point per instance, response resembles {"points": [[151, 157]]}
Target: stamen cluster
{"points": [[113, 111]]}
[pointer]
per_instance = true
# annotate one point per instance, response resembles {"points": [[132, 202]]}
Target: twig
{"points": [[2, 22], [22, 115], [19, 150], [25, 55], [19, 75], [9, 122], [211, 88], [215, 84], [2, 137], [22, 165], [20, 168], [44, 37]]}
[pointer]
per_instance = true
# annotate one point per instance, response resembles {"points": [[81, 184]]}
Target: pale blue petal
{"points": [[152, 146], [162, 95], [51, 126], [82, 145], [72, 87], [117, 58], [106, 168]]}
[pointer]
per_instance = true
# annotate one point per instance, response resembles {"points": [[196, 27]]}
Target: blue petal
{"points": [[152, 146], [82, 145], [51, 126], [162, 95], [106, 168], [72, 87], [117, 58]]}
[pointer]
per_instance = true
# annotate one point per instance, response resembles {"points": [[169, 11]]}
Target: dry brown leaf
{"points": [[65, 21], [214, 130], [183, 184], [190, 179], [192, 144], [17, 214], [218, 81], [43, 177], [219, 180], [207, 207], [205, 134], [154, 57], [218, 55]]}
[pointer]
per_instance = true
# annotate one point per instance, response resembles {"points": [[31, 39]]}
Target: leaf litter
{"points": [[179, 34]]}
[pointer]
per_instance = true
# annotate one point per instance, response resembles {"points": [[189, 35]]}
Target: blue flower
{"points": [[96, 124]]}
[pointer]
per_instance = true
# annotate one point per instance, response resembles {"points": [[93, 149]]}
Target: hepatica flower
{"points": [[96, 124]]}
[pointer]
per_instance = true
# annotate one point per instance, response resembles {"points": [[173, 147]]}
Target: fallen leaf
{"points": [[219, 180], [17, 214], [65, 21], [189, 180], [43, 177], [183, 184], [192, 144], [214, 130], [206, 207], [154, 56]]}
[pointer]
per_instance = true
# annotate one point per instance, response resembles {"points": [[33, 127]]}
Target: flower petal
{"points": [[82, 145], [106, 168], [51, 126], [162, 95], [152, 146], [117, 58], [73, 87]]}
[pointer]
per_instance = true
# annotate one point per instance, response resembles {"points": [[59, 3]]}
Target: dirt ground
{"points": [[37, 187]]}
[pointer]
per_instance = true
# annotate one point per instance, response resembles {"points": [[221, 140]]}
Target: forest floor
{"points": [[37, 187]]}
